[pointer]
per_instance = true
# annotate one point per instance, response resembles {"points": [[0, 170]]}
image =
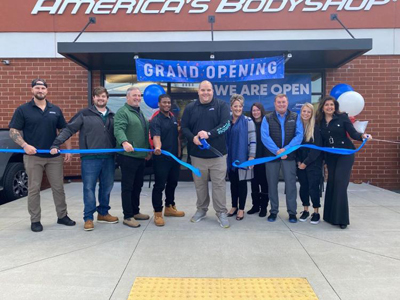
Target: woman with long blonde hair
{"points": [[309, 165]]}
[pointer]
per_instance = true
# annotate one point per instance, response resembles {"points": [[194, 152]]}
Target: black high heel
{"points": [[239, 218], [234, 213]]}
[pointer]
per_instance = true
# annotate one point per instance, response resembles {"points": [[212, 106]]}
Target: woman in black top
{"points": [[309, 165], [259, 184], [334, 129]]}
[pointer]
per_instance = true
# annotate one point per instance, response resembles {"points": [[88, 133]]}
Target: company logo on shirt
{"points": [[212, 108], [52, 112]]}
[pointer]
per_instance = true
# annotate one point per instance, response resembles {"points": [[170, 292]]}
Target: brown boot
{"points": [[171, 211], [158, 219], [88, 225], [107, 219]]}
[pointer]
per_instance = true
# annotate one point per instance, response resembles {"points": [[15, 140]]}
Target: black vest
{"points": [[275, 131]]}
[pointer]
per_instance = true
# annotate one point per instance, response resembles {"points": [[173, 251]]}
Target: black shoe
{"points": [[234, 213], [36, 227], [272, 217], [292, 219], [66, 221], [263, 212], [304, 216], [343, 226], [253, 210], [315, 218]]}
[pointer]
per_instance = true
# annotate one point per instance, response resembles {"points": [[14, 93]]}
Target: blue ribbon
{"points": [[86, 151], [262, 160]]}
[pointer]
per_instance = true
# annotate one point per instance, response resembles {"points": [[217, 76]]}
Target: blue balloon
{"points": [[340, 89], [151, 94]]}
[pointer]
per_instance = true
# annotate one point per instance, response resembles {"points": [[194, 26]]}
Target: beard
{"points": [[40, 96], [103, 105]]}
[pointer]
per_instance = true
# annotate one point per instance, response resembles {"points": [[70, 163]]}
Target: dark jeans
{"points": [[238, 189], [166, 173], [92, 169], [259, 181], [310, 180], [132, 173]]}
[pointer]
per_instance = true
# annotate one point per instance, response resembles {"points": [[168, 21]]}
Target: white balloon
{"points": [[351, 102], [360, 126]]}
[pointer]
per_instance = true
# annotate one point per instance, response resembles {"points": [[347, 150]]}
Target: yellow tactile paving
{"points": [[154, 288]]}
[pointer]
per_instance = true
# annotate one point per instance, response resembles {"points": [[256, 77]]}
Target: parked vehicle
{"points": [[13, 178]]}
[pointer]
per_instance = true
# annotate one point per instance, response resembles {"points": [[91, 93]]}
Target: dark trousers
{"points": [[259, 187], [166, 173], [336, 208], [132, 173], [310, 179], [238, 189]]}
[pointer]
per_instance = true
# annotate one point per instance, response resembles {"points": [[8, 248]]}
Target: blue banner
{"points": [[214, 71], [296, 87]]}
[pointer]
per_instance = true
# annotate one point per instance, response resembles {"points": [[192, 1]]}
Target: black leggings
{"points": [[238, 189], [310, 180]]}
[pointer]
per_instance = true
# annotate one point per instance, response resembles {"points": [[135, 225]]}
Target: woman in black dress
{"points": [[335, 128], [259, 184]]}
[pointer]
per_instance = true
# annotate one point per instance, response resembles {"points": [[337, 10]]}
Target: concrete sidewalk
{"points": [[361, 262]]}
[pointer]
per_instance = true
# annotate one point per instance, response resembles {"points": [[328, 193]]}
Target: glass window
{"points": [[184, 87], [118, 84]]}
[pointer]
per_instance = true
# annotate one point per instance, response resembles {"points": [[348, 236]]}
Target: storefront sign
{"points": [[214, 71], [192, 15], [106, 7], [296, 87]]}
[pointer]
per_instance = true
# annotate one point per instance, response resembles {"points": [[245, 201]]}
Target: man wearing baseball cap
{"points": [[34, 126]]}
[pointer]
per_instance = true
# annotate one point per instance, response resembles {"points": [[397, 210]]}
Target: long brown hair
{"points": [[320, 111], [260, 107]]}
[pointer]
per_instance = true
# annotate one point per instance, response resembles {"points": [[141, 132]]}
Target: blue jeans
{"points": [[92, 169]]}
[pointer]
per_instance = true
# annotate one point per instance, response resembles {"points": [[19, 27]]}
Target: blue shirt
{"points": [[270, 144]]}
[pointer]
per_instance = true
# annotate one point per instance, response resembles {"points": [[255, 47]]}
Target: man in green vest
{"points": [[131, 130]]}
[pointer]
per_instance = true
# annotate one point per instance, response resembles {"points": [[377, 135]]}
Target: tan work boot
{"points": [[88, 225], [140, 216], [131, 222], [171, 211], [107, 219], [158, 219]]}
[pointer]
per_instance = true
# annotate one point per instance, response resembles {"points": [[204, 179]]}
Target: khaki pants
{"points": [[215, 168], [34, 166]]}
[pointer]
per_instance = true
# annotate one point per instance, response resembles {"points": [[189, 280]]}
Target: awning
{"points": [[306, 54]]}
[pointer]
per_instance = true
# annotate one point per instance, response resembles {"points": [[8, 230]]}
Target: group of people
{"points": [[232, 137]]}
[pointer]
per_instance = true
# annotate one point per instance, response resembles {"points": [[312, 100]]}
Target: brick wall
{"points": [[67, 88], [377, 79]]}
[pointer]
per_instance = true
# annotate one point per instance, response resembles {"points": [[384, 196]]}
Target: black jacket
{"points": [[212, 117], [334, 134], [93, 133], [307, 155]]}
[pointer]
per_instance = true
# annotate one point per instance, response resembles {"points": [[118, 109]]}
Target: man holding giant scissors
{"points": [[208, 119]]}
